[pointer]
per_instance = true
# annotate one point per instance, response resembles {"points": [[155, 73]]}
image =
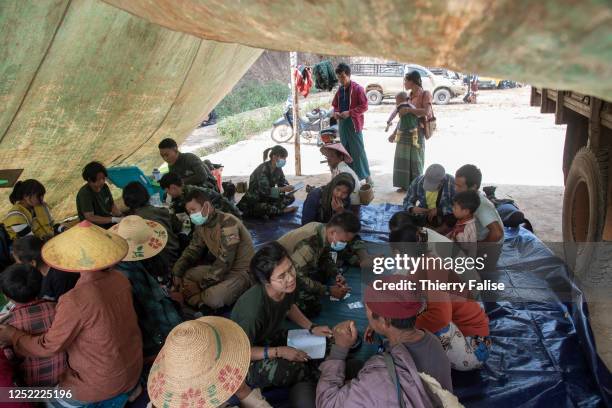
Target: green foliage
{"points": [[236, 128], [252, 95], [239, 127]]}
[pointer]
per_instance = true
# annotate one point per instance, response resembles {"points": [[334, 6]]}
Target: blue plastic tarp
{"points": [[543, 353]]}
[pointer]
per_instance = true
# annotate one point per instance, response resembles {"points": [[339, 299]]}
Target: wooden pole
{"points": [[296, 116]]}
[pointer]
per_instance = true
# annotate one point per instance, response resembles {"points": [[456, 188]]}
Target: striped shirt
{"points": [[21, 221]]}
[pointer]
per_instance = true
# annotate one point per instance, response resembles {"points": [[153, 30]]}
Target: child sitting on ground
{"points": [[21, 283], [464, 232]]}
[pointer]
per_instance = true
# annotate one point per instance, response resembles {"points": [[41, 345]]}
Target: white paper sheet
{"points": [[312, 345], [296, 187]]}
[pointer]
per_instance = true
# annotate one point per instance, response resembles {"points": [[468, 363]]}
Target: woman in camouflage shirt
{"points": [[267, 195]]}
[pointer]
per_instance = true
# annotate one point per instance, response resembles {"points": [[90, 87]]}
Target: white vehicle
{"points": [[382, 81]]}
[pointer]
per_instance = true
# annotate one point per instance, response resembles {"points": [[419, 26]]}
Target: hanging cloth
{"points": [[303, 80]]}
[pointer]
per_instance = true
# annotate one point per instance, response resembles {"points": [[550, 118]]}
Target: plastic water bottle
{"points": [[156, 175]]}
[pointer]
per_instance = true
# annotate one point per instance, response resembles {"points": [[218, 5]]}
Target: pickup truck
{"points": [[382, 81]]}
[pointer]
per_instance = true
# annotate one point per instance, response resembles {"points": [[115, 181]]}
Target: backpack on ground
{"points": [[508, 210]]}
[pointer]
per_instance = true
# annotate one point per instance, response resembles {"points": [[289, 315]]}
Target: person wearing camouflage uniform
{"points": [[313, 249], [261, 312], [228, 248], [188, 166], [267, 193], [174, 187]]}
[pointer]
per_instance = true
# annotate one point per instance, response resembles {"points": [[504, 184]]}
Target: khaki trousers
{"points": [[217, 295]]}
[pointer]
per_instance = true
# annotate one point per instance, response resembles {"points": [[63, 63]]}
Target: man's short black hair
{"points": [[472, 175], [347, 221], [167, 143], [135, 195], [198, 195], [343, 68], [402, 324], [266, 259], [169, 179], [21, 282], [468, 200], [91, 171]]}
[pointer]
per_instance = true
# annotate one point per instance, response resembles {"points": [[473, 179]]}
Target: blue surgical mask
{"points": [[281, 163], [198, 218], [338, 246]]}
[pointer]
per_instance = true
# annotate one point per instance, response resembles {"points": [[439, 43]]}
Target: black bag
{"points": [[508, 210]]}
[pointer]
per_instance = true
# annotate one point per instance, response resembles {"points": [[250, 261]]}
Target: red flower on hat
{"points": [[192, 399], [155, 243], [157, 385], [230, 378], [151, 224]]}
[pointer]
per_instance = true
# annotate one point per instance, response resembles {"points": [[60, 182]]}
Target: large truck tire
{"points": [[584, 198]]}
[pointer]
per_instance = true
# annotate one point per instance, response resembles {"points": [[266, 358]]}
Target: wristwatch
{"points": [[312, 326]]}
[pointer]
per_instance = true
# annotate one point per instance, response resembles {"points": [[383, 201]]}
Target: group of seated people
{"points": [[92, 310]]}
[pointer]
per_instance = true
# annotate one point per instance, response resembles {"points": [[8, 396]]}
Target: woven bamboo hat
{"points": [[340, 149], [202, 363], [145, 238], [84, 248]]}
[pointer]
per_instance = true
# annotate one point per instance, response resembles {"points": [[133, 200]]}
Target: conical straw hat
{"points": [[145, 238], [84, 248], [202, 364], [339, 148]]}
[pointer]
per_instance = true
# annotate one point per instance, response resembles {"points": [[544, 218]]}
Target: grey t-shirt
{"points": [[430, 358], [485, 215]]}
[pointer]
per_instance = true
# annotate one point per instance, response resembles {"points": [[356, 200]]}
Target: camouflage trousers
{"points": [[308, 299], [279, 372], [259, 209], [353, 253], [309, 303]]}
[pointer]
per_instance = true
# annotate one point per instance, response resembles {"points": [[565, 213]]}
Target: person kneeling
{"points": [[391, 378], [261, 312], [310, 248], [221, 282]]}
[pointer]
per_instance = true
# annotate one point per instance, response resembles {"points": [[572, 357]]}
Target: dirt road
{"points": [[516, 147]]}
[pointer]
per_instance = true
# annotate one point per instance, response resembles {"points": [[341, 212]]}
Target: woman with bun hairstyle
{"points": [[268, 193]]}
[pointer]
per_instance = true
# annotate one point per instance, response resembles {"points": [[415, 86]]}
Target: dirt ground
{"points": [[518, 149]]}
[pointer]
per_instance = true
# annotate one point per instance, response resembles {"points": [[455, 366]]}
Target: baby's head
{"points": [[401, 98], [465, 204]]}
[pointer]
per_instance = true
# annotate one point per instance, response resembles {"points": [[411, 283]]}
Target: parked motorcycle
{"points": [[310, 126]]}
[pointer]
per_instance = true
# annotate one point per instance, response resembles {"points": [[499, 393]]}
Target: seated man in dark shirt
{"points": [[188, 166], [94, 200]]}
